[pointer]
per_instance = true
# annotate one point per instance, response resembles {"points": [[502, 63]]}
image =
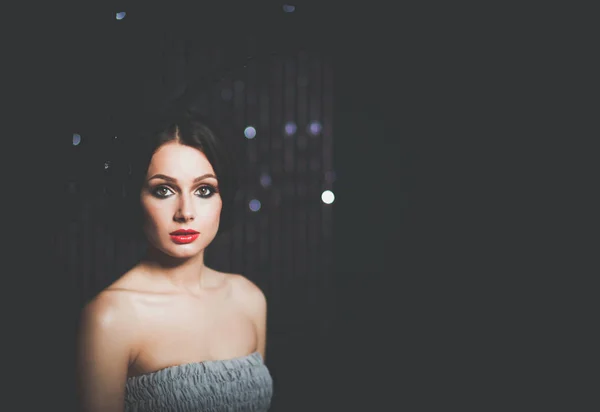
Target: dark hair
{"points": [[187, 128]]}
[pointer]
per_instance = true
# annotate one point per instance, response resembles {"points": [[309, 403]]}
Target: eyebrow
{"points": [[171, 179]]}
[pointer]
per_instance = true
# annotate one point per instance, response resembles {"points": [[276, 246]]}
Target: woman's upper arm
{"points": [[260, 318], [256, 305], [104, 344]]}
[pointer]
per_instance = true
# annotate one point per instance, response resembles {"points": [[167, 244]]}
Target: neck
{"points": [[187, 274]]}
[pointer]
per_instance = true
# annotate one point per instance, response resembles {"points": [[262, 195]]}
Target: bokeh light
{"points": [[121, 15], [265, 180], [254, 205], [76, 139], [250, 132], [327, 197], [290, 128], [314, 128]]}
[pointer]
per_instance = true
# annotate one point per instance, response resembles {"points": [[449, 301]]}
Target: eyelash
{"points": [[156, 190]]}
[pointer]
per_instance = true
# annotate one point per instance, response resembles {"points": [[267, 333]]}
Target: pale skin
{"points": [[170, 309]]}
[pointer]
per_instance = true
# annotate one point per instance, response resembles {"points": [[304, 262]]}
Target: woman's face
{"points": [[180, 193]]}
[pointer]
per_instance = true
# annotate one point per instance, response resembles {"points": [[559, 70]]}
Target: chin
{"points": [[177, 251], [182, 252]]}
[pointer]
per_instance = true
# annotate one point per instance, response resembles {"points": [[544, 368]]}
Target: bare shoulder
{"points": [[104, 351], [107, 324], [254, 303], [247, 291], [110, 310]]}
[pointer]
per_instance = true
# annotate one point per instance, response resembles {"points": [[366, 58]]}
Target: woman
{"points": [[172, 333]]}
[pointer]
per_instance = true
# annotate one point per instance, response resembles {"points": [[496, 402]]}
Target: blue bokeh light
{"points": [[254, 205], [250, 132]]}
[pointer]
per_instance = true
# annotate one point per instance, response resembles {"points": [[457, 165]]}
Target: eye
{"points": [[162, 191], [206, 191]]}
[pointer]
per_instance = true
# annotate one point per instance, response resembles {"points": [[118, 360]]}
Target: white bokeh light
{"points": [[254, 205], [76, 139], [327, 197], [250, 132]]}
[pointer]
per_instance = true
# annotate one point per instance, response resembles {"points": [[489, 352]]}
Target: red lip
{"points": [[183, 236], [183, 232]]}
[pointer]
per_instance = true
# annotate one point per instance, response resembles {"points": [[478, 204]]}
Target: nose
{"points": [[185, 212]]}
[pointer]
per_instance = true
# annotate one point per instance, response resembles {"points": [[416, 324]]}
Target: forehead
{"points": [[179, 161]]}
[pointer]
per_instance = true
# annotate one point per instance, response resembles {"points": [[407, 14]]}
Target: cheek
{"points": [[212, 215], [152, 215], [216, 214]]}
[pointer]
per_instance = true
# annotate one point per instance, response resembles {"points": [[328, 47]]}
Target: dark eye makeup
{"points": [[163, 191]]}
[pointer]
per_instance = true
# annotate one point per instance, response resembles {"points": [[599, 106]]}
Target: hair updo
{"points": [[146, 137]]}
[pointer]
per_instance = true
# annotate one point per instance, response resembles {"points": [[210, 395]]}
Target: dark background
{"points": [[91, 72], [451, 268]]}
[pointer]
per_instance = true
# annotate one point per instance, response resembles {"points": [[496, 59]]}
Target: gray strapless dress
{"points": [[241, 384]]}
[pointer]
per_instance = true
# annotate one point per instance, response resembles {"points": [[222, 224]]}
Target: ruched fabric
{"points": [[241, 384]]}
